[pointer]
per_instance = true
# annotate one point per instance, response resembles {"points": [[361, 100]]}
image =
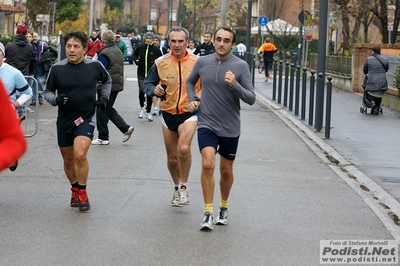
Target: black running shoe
{"points": [[74, 197], [14, 166]]}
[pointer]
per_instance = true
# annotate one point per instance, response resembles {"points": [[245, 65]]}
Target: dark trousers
{"points": [[142, 97], [109, 113]]}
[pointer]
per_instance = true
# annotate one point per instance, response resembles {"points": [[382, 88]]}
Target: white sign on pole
{"points": [[42, 18]]}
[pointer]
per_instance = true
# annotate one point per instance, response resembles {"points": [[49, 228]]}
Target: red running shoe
{"points": [[74, 197], [83, 201]]}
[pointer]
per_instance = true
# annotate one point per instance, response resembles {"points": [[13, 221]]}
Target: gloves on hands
{"points": [[62, 99], [101, 103]]}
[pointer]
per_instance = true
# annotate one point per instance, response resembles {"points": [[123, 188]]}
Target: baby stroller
{"points": [[370, 101]]}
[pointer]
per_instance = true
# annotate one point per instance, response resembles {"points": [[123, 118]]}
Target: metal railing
{"points": [[339, 65]]}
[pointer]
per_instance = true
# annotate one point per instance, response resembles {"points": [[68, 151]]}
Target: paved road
{"points": [[285, 199]]}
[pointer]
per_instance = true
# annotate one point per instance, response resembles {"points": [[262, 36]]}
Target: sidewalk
{"points": [[364, 146]]}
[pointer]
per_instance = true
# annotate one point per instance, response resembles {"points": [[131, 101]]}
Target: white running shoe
{"points": [[149, 117], [128, 134], [100, 142], [175, 199], [184, 196], [208, 222], [222, 218], [141, 113]]}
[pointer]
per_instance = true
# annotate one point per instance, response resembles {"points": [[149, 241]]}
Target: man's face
{"points": [[178, 43], [207, 38], [29, 37], [117, 39], [75, 51], [94, 34], [223, 43], [156, 42], [149, 40], [35, 38]]}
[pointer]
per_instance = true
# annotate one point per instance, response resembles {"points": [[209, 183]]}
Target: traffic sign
{"points": [[309, 33], [262, 21]]}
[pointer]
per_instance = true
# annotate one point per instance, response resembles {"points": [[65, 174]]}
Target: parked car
{"points": [[129, 48]]}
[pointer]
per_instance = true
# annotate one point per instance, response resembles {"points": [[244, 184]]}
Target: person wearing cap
{"points": [[157, 42], [19, 52], [268, 49], [14, 82], [121, 45], [144, 57], [98, 34]]}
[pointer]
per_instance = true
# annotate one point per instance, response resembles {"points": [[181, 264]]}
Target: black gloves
{"points": [[101, 103], [62, 99]]}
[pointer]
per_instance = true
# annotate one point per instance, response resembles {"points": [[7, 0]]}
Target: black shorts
{"points": [[66, 139], [226, 147], [172, 122]]}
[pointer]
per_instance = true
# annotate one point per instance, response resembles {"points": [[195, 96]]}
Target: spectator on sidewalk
{"points": [[226, 81], [71, 85], [14, 82], [94, 44], [20, 52], [111, 58], [191, 46], [376, 84], [38, 47], [267, 50], [241, 48], [207, 47], [121, 45], [178, 124]]}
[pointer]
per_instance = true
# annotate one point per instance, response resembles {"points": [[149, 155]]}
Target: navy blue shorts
{"points": [[66, 139], [226, 147]]}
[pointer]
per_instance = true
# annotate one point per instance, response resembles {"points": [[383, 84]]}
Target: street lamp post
{"points": [[194, 20]]}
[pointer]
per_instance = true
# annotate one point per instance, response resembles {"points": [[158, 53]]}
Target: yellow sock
{"points": [[224, 203], [208, 207]]}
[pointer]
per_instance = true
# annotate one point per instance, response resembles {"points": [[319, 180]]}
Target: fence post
{"points": [[303, 94], [328, 108], [311, 101], [253, 64], [297, 98], [319, 110], [291, 87], [274, 81], [285, 92], [280, 81]]}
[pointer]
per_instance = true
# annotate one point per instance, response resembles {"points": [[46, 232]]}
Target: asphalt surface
{"points": [[287, 194]]}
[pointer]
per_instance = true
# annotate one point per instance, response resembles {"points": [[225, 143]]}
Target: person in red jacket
{"points": [[94, 44], [12, 140]]}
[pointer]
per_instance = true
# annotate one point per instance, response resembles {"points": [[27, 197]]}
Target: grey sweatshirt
{"points": [[220, 105]]}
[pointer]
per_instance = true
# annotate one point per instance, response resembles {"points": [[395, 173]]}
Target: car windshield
{"points": [[127, 42]]}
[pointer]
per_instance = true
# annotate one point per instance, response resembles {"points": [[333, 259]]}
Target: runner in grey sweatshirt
{"points": [[225, 81]]}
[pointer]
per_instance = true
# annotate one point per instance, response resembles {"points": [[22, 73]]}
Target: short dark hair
{"points": [[77, 35], [376, 49], [208, 32], [226, 29]]}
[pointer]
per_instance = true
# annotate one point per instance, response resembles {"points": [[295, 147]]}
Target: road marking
{"points": [[131, 79]]}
